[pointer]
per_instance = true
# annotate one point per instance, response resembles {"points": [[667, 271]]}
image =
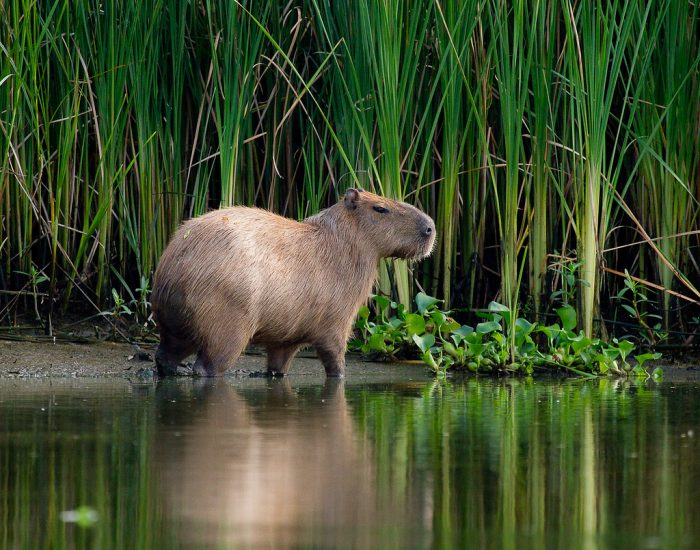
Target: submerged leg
{"points": [[279, 359]]}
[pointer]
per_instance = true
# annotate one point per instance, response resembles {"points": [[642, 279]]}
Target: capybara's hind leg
{"points": [[218, 354], [169, 354], [332, 355], [279, 358]]}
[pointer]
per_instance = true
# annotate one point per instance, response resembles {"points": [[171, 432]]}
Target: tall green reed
{"points": [[236, 45], [514, 52], [667, 143], [455, 25], [521, 129], [597, 37]]}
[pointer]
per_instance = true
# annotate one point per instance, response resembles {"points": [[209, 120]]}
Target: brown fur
{"points": [[240, 275]]}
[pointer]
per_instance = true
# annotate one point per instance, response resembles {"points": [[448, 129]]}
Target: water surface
{"points": [[366, 463]]}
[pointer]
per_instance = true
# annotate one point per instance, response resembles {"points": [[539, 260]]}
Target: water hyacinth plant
{"points": [[537, 135], [444, 344]]}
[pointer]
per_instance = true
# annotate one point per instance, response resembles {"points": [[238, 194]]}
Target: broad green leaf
{"points": [[376, 342], [424, 342], [425, 302], [625, 347], [644, 357], [463, 331], [567, 314], [415, 324], [487, 327], [382, 302], [438, 318]]}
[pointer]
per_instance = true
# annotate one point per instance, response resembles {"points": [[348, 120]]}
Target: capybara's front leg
{"points": [[332, 355], [279, 359], [219, 353], [170, 352]]}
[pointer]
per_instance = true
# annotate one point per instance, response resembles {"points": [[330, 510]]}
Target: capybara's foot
{"points": [[166, 364], [205, 367], [333, 359], [279, 359]]}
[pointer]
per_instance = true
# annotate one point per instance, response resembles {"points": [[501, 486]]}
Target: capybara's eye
{"points": [[380, 209]]}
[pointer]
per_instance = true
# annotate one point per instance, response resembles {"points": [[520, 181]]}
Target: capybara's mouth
{"points": [[423, 248], [428, 246]]}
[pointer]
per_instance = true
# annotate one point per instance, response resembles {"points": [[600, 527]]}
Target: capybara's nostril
{"points": [[427, 231]]}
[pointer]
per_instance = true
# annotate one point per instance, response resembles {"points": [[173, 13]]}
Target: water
{"points": [[394, 464]]}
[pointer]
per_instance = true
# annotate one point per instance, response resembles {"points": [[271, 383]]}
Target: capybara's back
{"points": [[240, 275]]}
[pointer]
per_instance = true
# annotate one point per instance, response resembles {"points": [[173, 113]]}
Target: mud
{"points": [[24, 359], [21, 359]]}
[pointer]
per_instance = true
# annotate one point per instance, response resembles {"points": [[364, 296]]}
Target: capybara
{"points": [[239, 275]]}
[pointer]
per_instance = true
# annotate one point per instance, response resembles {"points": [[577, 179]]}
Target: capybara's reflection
{"points": [[265, 465]]}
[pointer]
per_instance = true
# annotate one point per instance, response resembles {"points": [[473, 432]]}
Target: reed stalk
{"points": [[526, 129]]}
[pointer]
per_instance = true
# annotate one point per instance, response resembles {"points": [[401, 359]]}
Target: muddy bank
{"points": [[21, 359], [108, 359]]}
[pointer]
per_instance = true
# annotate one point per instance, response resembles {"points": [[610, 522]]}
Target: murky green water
{"points": [[293, 463]]}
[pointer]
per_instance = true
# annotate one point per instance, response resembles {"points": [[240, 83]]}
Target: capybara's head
{"points": [[396, 229]]}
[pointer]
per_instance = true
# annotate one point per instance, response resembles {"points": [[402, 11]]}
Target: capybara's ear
{"points": [[352, 196]]}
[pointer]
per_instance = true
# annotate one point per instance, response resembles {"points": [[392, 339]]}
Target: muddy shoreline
{"points": [[26, 359]]}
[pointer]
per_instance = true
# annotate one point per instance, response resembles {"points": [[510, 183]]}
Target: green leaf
{"points": [[376, 343], [625, 347], [476, 349], [644, 357], [415, 324], [429, 360], [551, 331], [450, 326], [363, 313], [425, 302], [439, 318], [567, 314], [487, 327], [657, 374], [463, 331], [524, 325], [382, 303], [498, 308], [424, 342]]}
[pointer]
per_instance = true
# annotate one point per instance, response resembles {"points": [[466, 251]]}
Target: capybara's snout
{"points": [[426, 230]]}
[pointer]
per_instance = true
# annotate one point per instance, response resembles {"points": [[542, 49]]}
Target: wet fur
{"points": [[240, 275]]}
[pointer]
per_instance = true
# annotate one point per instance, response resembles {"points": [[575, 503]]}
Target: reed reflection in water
{"points": [[295, 462]]}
